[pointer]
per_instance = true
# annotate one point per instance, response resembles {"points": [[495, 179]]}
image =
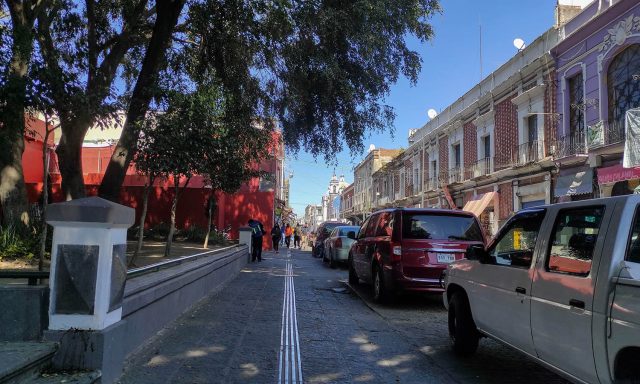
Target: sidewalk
{"points": [[231, 337]]}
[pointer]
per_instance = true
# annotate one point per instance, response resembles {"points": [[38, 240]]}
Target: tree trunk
{"points": [[45, 195], [167, 16], [143, 218], [13, 192], [69, 152], [206, 238], [174, 206]]}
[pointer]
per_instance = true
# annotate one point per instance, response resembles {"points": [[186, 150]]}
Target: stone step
{"points": [[22, 362], [84, 377]]}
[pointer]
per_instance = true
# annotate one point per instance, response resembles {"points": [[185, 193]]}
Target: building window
{"points": [[486, 145], [623, 86], [576, 108], [456, 155], [532, 128]]}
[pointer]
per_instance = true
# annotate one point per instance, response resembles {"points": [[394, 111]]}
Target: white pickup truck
{"points": [[560, 283]]}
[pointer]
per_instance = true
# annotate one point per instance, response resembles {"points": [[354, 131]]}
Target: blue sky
{"points": [[451, 66]]}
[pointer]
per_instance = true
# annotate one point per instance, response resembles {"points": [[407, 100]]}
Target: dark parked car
{"points": [[408, 249], [321, 234]]}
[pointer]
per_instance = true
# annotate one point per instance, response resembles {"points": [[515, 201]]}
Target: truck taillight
{"points": [[338, 243], [396, 254]]}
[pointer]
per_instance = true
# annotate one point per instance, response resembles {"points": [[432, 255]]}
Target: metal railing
{"points": [[177, 261], [33, 276], [614, 132], [569, 145], [482, 167], [527, 152], [456, 175], [432, 184]]}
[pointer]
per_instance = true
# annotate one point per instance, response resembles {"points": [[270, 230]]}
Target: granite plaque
{"points": [[118, 275], [76, 276]]}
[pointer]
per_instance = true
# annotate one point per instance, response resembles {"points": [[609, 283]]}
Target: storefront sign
{"points": [[617, 173]]}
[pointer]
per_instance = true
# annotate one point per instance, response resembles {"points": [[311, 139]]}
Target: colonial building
{"points": [[363, 191], [490, 152], [598, 72], [346, 204], [312, 215]]}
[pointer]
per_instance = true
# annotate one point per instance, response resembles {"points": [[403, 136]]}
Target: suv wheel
{"points": [[353, 276], [462, 330], [380, 291]]}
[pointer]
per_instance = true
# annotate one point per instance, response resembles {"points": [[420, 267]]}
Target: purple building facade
{"points": [[598, 74]]}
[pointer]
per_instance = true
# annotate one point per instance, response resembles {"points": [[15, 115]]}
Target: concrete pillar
{"points": [[244, 234], [88, 263]]}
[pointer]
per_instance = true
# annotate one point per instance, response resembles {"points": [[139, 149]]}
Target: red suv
{"points": [[404, 249]]}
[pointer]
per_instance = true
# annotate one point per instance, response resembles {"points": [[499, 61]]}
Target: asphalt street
{"points": [[290, 318]]}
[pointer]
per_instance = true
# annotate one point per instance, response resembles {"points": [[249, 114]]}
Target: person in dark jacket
{"points": [[257, 231], [276, 232]]}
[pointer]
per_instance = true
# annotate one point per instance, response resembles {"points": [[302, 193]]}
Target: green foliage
{"points": [[19, 243], [321, 68]]}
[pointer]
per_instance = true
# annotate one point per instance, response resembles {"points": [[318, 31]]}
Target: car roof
{"points": [[601, 200], [439, 211]]}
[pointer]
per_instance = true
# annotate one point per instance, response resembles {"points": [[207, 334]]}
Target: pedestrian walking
{"points": [[282, 236], [257, 231], [276, 232], [288, 231], [296, 237]]}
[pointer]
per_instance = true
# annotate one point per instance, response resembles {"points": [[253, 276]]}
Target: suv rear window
{"points": [[440, 227]]}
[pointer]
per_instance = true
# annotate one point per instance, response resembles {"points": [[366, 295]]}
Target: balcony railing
{"points": [[614, 132], [528, 152], [432, 184], [571, 145], [482, 167], [456, 175]]}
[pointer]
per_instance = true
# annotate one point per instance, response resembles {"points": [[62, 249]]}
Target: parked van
{"points": [[408, 249], [560, 283]]}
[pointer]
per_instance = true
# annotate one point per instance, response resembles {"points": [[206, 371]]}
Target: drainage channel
{"points": [[289, 363]]}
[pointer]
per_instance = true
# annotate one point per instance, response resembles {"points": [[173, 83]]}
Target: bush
{"points": [[193, 233], [19, 243]]}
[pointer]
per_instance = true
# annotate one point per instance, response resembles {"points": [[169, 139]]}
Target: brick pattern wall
{"points": [[408, 174], [470, 145], [425, 168], [506, 132], [444, 157], [550, 119], [506, 200]]}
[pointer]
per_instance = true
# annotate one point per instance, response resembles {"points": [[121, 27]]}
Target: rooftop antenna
{"points": [[519, 44], [480, 26], [432, 113]]}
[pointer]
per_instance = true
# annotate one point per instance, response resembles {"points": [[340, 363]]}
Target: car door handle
{"points": [[521, 290], [576, 303]]}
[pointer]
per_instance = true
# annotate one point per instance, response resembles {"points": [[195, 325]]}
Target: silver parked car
{"points": [[336, 246]]}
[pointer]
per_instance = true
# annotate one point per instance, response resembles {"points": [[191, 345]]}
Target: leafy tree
{"points": [[322, 68], [82, 45]]}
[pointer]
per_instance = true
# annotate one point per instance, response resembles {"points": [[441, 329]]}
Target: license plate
{"points": [[446, 257]]}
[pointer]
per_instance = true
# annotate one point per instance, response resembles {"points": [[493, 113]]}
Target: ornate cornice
{"points": [[619, 33]]}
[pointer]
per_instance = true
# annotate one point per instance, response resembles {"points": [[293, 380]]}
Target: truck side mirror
{"points": [[477, 252], [351, 235]]}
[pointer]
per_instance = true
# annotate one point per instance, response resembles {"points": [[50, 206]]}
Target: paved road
{"points": [[236, 336]]}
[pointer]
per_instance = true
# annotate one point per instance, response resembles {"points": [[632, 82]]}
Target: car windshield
{"points": [[440, 227], [345, 230]]}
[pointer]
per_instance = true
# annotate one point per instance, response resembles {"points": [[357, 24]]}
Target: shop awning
{"points": [[617, 173], [480, 203], [574, 184]]}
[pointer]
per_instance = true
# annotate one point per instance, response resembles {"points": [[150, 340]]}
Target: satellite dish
{"points": [[432, 113], [371, 147], [519, 44]]}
